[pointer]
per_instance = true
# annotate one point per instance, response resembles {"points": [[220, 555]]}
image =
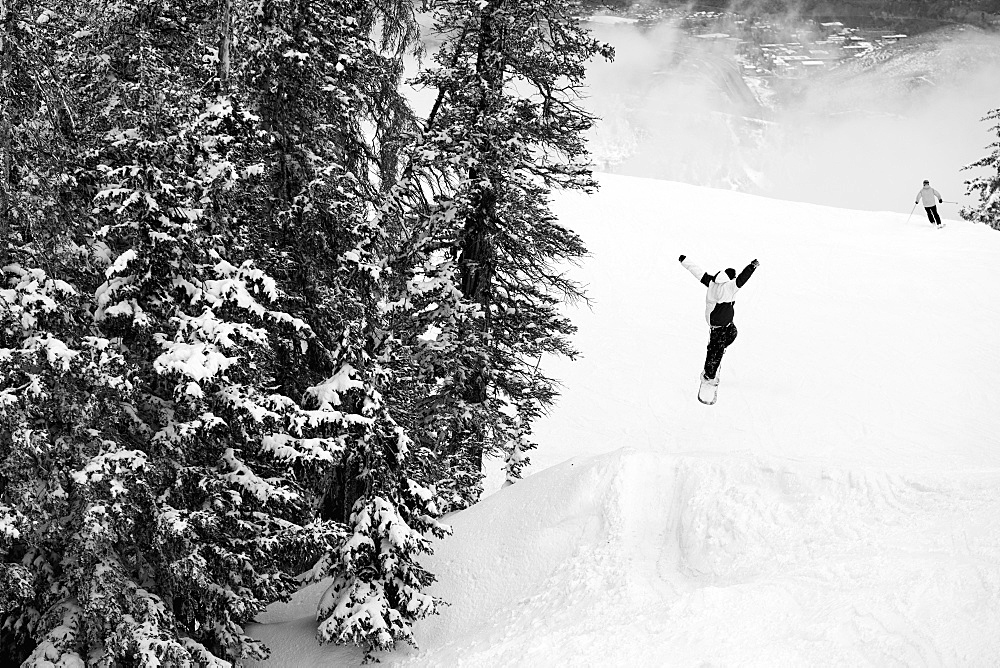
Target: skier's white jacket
{"points": [[721, 293], [930, 196]]}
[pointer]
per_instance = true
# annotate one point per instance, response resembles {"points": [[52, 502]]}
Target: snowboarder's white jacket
{"points": [[930, 196], [721, 293]]}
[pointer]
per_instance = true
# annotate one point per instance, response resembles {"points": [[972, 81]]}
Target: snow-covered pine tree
{"points": [[323, 73], [148, 471], [505, 129], [189, 344], [986, 187]]}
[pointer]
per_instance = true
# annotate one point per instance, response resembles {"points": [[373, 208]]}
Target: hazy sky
{"points": [[855, 137]]}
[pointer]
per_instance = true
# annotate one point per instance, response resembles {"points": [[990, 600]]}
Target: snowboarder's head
{"points": [[926, 182], [725, 275]]}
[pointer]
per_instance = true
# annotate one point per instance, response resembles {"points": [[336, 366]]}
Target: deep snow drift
{"points": [[837, 506]]}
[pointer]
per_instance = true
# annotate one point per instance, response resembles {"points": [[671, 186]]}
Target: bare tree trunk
{"points": [[478, 253], [5, 165], [225, 42], [221, 219]]}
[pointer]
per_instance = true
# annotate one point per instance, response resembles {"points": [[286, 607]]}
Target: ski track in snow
{"points": [[836, 506]]}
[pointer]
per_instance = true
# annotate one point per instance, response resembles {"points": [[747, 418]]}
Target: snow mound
{"points": [[632, 557]]}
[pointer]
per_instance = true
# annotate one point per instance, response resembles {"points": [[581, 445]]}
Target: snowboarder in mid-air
{"points": [[719, 312], [931, 199]]}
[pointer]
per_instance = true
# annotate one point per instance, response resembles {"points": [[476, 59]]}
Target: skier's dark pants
{"points": [[719, 339], [932, 214]]}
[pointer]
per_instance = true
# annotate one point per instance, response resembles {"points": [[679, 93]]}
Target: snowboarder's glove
{"points": [[755, 263], [681, 258]]}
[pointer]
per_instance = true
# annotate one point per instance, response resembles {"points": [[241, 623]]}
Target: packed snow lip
{"points": [[834, 507]]}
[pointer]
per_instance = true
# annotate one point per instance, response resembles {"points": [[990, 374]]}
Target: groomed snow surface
{"points": [[839, 504]]}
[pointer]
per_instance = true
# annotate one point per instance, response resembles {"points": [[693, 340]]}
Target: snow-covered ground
{"points": [[839, 505]]}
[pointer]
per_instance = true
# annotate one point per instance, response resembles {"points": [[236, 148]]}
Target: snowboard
{"points": [[708, 390]]}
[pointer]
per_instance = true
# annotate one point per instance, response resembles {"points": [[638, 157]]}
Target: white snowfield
{"points": [[838, 506]]}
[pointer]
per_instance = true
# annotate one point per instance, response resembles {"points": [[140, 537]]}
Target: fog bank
{"points": [[861, 134]]}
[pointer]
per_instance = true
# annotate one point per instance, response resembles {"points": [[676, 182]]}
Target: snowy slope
{"points": [[837, 506], [864, 339]]}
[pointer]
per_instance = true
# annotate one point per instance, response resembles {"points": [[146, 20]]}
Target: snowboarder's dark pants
{"points": [[719, 339], [932, 214]]}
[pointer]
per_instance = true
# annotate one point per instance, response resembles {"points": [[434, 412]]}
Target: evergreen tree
{"points": [[319, 79], [189, 330], [146, 463], [987, 187], [506, 128]]}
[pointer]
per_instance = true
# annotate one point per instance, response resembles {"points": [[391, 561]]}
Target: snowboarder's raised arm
{"points": [[747, 272], [696, 271]]}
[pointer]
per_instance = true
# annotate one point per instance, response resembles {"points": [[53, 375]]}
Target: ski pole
{"points": [[911, 212]]}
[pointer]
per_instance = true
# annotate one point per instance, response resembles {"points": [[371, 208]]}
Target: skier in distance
{"points": [[927, 194], [719, 310]]}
